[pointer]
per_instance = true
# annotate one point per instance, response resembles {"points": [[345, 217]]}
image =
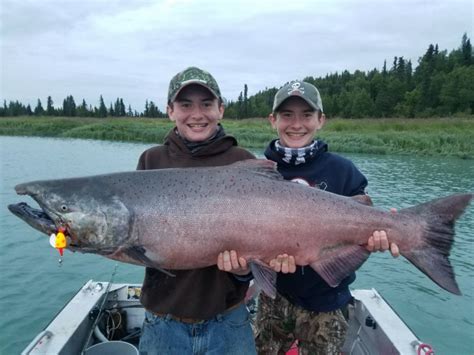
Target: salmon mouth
{"points": [[37, 218]]}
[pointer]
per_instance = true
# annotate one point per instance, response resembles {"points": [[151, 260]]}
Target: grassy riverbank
{"points": [[441, 136]]}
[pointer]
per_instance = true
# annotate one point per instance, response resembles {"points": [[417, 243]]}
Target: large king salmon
{"points": [[182, 218]]}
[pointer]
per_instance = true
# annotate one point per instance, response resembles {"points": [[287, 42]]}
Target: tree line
{"points": [[69, 108], [442, 84]]}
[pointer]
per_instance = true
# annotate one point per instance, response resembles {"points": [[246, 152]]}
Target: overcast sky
{"points": [[131, 49]]}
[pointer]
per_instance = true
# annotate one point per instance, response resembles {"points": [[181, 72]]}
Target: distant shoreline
{"points": [[430, 137]]}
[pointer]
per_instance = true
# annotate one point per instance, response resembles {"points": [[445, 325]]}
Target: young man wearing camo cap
{"points": [[306, 308], [196, 311]]}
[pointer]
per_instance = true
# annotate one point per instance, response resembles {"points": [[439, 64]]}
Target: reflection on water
{"points": [[35, 287]]}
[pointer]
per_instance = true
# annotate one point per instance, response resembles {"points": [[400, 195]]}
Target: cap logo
{"points": [[296, 89]]}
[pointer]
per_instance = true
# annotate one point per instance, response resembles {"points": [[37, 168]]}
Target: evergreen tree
{"points": [[111, 111], [4, 109], [15, 108], [146, 112], [69, 107], [153, 111], [409, 75], [102, 111], [424, 74], [240, 106], [119, 108], [466, 50], [122, 112], [39, 110], [82, 110], [50, 111], [245, 109]]}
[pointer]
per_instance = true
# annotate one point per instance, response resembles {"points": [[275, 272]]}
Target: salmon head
{"points": [[92, 216]]}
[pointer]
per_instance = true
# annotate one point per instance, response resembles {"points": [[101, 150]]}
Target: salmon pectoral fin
{"points": [[137, 253], [336, 265], [265, 277], [431, 257]]}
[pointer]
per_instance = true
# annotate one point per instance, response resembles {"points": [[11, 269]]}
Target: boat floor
{"points": [[90, 318]]}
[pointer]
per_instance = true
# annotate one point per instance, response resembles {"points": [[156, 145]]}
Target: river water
{"points": [[35, 287]]}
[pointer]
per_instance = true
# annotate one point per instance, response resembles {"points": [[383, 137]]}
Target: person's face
{"points": [[296, 122], [196, 113]]}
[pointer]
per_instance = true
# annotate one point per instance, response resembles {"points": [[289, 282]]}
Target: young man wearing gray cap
{"points": [[306, 308], [196, 311]]}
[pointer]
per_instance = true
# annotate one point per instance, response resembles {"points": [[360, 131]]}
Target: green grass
{"points": [[440, 136]]}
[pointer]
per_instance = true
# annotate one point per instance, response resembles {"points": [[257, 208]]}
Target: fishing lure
{"points": [[59, 241]]}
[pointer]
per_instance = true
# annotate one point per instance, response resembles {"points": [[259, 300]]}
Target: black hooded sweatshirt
{"points": [[332, 173]]}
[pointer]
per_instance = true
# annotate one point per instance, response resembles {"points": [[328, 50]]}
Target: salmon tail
{"points": [[432, 257]]}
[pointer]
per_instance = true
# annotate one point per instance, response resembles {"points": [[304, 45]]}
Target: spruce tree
{"points": [[50, 111], [102, 112], [466, 50], [39, 110], [246, 103], [122, 108]]}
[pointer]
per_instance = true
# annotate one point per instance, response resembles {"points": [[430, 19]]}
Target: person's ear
{"points": [[221, 111], [170, 111], [322, 120], [273, 120]]}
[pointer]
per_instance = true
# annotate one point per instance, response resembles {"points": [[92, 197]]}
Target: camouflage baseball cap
{"points": [[306, 91], [192, 75]]}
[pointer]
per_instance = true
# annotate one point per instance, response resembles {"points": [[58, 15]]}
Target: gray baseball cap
{"points": [[192, 75], [306, 91]]}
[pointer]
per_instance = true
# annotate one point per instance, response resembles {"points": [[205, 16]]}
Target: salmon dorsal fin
{"points": [[337, 265], [259, 166], [363, 199]]}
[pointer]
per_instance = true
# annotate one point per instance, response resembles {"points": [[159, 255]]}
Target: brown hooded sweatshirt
{"points": [[200, 293]]}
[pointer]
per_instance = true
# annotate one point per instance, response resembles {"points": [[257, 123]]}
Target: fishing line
{"points": [[96, 321]]}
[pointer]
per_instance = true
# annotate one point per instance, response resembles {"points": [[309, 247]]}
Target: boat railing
{"points": [[44, 334]]}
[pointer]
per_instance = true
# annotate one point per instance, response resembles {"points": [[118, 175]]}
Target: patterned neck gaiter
{"points": [[296, 156]]}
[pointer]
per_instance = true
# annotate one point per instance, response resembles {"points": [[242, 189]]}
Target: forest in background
{"points": [[441, 85]]}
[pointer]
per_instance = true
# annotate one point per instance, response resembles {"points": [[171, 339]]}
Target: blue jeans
{"points": [[228, 333]]}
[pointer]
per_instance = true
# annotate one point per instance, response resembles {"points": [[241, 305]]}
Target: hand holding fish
{"points": [[230, 262], [379, 242], [284, 263]]}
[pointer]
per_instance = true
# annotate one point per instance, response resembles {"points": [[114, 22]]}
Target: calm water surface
{"points": [[34, 287]]}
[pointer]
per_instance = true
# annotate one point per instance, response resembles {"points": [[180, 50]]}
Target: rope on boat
{"points": [[426, 348]]}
